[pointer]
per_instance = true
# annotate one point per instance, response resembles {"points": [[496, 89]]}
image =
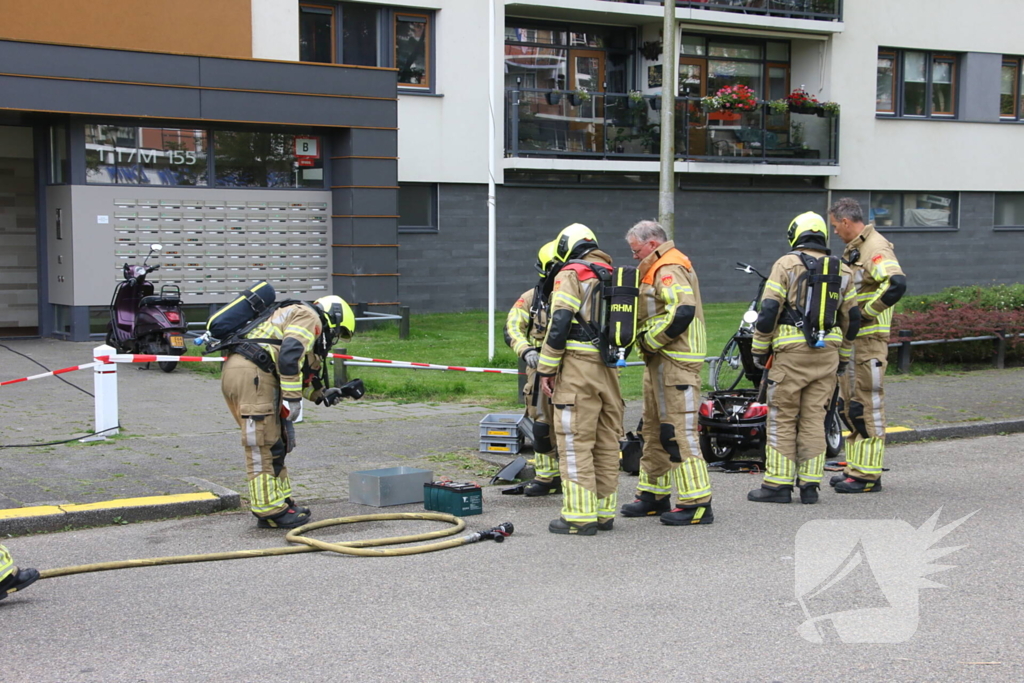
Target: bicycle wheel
{"points": [[728, 368]]}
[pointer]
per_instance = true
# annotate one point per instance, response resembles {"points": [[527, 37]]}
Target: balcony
{"points": [[557, 124], [824, 10]]}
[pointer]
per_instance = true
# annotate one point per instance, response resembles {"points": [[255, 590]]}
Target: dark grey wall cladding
{"points": [[301, 78], [365, 231], [99, 98], [371, 172], [447, 271], [361, 201], [369, 143], [366, 289], [226, 105], [83, 62]]}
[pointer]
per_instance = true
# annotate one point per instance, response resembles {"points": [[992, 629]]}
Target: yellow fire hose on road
{"points": [[309, 545]]}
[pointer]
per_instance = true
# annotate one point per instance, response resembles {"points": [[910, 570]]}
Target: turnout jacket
{"points": [[670, 313], [297, 326], [874, 265], [518, 332], [570, 294], [781, 288]]}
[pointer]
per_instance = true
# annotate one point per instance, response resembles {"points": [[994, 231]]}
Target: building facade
{"points": [[917, 113]]}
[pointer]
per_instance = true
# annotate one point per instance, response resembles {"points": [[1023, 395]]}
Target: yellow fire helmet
{"points": [[545, 255], [337, 315], [807, 228], [575, 241]]}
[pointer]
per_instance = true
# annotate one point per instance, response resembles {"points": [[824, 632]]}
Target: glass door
{"points": [[691, 139], [586, 72]]}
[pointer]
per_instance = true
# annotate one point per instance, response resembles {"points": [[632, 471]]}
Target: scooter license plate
{"points": [[177, 341]]}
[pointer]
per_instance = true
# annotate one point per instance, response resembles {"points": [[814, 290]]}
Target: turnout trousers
{"points": [[864, 408], [801, 382], [671, 450], [540, 410], [254, 399], [6, 563], [588, 411]]}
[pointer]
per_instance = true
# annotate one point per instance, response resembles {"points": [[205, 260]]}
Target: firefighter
{"points": [[264, 381], [802, 378], [588, 407], [13, 579], [880, 283], [525, 328], [673, 343]]}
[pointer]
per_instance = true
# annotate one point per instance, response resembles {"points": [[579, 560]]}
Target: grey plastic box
{"points": [[388, 486]]}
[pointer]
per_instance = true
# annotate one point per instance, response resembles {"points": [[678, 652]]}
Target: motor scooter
{"points": [[143, 322]]}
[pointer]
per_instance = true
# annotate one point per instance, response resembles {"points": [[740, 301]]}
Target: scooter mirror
{"points": [[156, 247], [750, 317]]}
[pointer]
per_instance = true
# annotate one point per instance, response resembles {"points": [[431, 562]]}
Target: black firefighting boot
{"points": [[645, 505], [858, 485], [290, 502], [768, 494], [560, 526], [289, 518], [836, 478], [538, 487], [808, 493], [684, 515], [19, 580], [606, 524]]}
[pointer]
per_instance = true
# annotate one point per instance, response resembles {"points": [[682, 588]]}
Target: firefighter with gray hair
{"points": [[880, 283], [673, 342]]}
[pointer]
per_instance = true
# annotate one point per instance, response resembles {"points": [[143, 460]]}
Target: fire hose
{"points": [[307, 545]]}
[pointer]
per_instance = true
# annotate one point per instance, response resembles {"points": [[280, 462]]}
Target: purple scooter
{"points": [[141, 322]]}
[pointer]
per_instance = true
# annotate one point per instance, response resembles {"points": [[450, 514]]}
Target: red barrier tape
{"points": [[50, 374]]}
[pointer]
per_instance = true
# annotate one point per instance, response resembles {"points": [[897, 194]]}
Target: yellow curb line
{"points": [[890, 430], [46, 510]]}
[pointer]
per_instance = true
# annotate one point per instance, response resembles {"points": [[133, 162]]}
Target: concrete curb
{"points": [[58, 517], [968, 429]]}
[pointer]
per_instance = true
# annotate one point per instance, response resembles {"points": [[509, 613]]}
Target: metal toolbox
{"points": [[388, 486]]}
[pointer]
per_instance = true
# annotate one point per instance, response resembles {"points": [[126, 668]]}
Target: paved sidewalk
{"points": [[178, 438]]}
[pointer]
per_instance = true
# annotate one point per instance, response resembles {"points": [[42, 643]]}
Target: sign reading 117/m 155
{"points": [[175, 157]]}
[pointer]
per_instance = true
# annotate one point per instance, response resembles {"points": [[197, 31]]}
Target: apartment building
{"points": [[922, 125]]}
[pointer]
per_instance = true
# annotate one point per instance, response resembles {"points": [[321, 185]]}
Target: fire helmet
{"points": [[545, 255], [807, 229], [575, 241], [337, 316]]}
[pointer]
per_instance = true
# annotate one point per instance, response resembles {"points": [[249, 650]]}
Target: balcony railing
{"points": [[557, 123], [828, 10]]}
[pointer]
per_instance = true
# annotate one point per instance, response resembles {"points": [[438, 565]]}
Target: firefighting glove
{"points": [[843, 364], [294, 408], [353, 389], [761, 360], [330, 397], [531, 358]]}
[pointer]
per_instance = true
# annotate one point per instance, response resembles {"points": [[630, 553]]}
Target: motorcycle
{"points": [[732, 420], [142, 322]]}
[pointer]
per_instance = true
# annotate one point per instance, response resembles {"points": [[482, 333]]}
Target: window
{"points": [[913, 83], [913, 210], [417, 207], [129, 155], [262, 159], [560, 57], [316, 34], [1011, 97], [1009, 210], [361, 34], [58, 154]]}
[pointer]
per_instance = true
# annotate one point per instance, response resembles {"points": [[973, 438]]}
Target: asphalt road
{"points": [[644, 601]]}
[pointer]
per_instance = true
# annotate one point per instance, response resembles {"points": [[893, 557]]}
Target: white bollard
{"points": [[105, 387]]}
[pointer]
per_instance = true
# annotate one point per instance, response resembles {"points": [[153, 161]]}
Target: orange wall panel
{"points": [[220, 28]]}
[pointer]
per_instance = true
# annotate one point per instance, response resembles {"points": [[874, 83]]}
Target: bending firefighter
{"points": [[13, 579], [809, 318], [673, 344], [585, 392], [880, 283], [264, 381], [525, 328]]}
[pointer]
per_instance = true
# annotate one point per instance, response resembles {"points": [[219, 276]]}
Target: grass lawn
{"points": [[461, 339]]}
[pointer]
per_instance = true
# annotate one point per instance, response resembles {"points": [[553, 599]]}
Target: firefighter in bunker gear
{"points": [[588, 407], [264, 383], [673, 343], [802, 378], [13, 579], [880, 283], [525, 327]]}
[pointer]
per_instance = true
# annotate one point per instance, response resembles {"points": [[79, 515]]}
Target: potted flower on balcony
{"points": [[802, 102], [830, 109], [635, 100], [729, 102], [579, 96], [778, 106], [553, 97]]}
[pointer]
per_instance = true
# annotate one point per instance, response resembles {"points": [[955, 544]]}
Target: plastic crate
{"points": [[498, 445], [502, 425]]}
